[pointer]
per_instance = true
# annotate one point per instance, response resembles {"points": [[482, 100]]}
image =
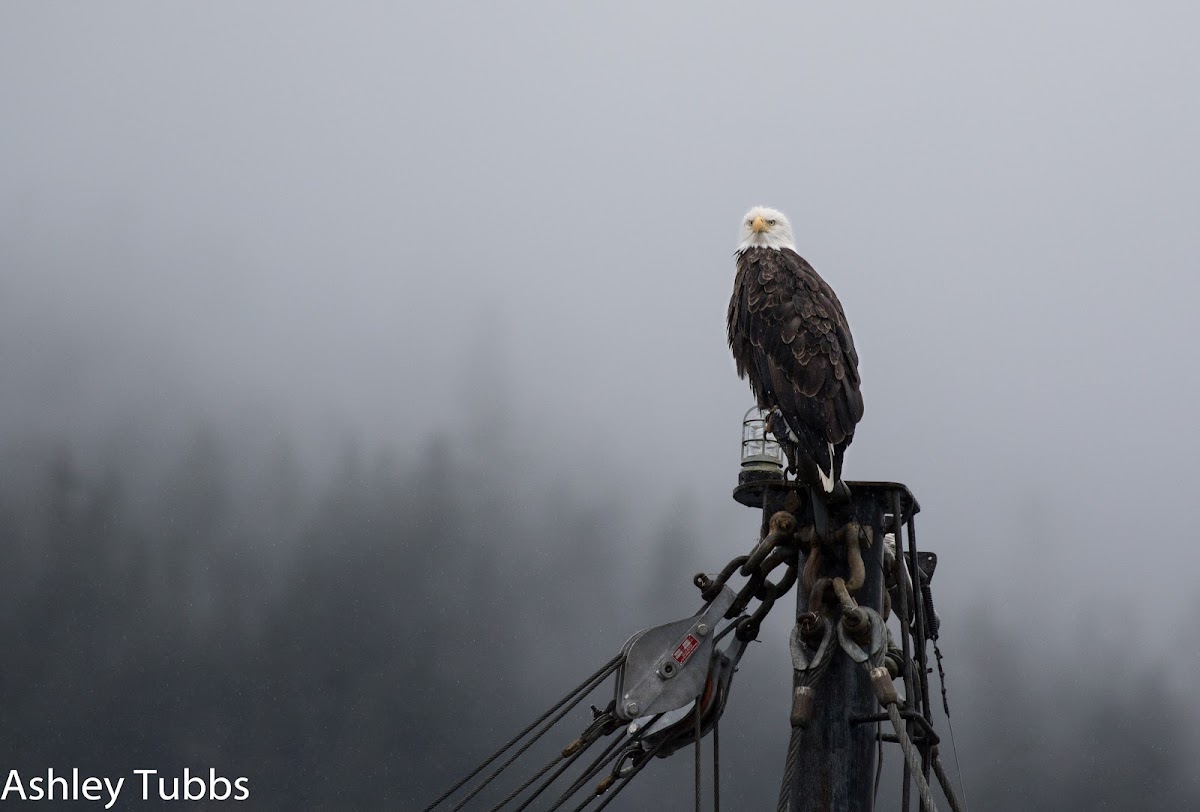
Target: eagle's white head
{"points": [[766, 228]]}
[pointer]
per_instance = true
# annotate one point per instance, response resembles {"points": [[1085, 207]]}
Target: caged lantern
{"points": [[762, 457]]}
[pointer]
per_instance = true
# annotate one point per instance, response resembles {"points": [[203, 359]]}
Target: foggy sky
{"points": [[333, 214]]}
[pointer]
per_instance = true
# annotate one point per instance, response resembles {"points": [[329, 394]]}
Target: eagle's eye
{"points": [[770, 222]]}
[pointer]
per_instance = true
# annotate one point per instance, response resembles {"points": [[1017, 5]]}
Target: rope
{"points": [[580, 691], [912, 757]]}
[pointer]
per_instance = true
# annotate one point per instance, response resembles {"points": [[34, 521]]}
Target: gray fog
{"points": [[378, 221]]}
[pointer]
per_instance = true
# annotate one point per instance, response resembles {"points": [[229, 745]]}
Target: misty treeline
{"points": [[356, 638]]}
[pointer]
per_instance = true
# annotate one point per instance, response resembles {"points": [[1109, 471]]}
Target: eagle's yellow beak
{"points": [[759, 225]]}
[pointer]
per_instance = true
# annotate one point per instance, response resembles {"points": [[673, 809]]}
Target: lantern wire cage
{"points": [[760, 451]]}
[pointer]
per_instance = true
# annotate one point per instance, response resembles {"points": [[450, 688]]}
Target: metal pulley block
{"points": [[665, 667], [678, 728]]}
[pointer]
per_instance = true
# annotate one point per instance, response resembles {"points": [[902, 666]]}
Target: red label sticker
{"points": [[685, 649]]}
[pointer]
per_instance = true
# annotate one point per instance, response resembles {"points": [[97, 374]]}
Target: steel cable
{"points": [[557, 773], [696, 713], [947, 787], [912, 757], [580, 691], [609, 755], [716, 766], [628, 778], [810, 676], [520, 751], [527, 784], [588, 687], [789, 771]]}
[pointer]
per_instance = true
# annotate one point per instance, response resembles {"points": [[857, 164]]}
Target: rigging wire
{"points": [[625, 782], [557, 773], [697, 749], [937, 652], [912, 757], [610, 754], [716, 766], [557, 758], [789, 771], [577, 694], [596, 680]]}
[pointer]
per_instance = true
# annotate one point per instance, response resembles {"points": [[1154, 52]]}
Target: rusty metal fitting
{"points": [[781, 530], [857, 625], [843, 595], [747, 594], [812, 568], [811, 629], [894, 660], [572, 748], [747, 629], [807, 538], [804, 706], [791, 502], [854, 619], [714, 588], [783, 524], [816, 597], [781, 555], [885, 689], [858, 571], [604, 784]]}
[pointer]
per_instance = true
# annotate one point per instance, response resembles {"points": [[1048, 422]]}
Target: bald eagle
{"points": [[789, 335]]}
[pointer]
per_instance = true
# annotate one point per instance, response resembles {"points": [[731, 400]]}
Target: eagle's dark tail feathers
{"points": [[815, 461]]}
